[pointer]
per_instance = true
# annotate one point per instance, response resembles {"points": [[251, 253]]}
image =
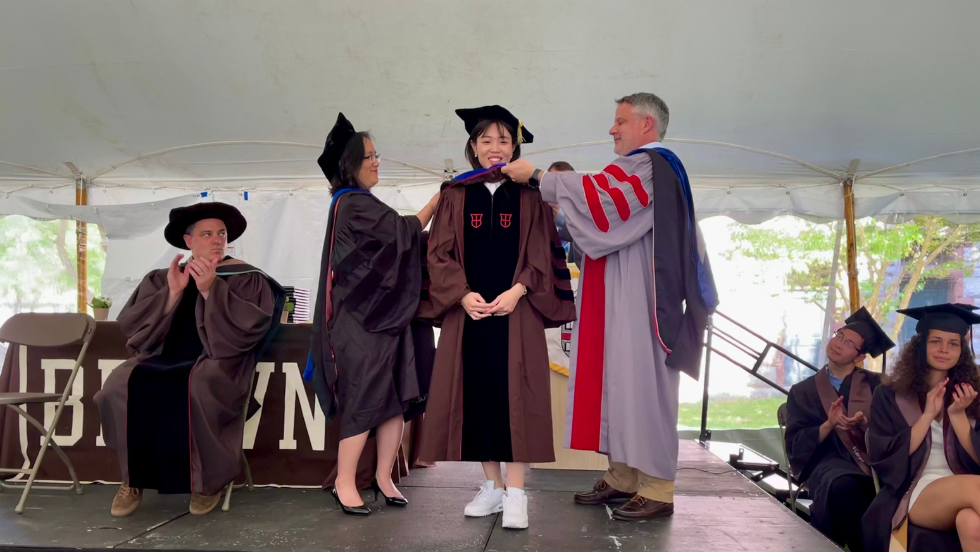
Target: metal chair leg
{"points": [[57, 448], [248, 485], [248, 475], [227, 504], [37, 463]]}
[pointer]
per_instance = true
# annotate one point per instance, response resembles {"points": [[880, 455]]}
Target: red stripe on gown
{"points": [[619, 198], [590, 359], [619, 174], [595, 204]]}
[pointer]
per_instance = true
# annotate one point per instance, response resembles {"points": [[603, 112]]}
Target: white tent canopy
{"points": [[154, 102], [100, 84]]}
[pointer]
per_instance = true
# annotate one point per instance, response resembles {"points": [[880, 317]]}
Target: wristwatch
{"points": [[535, 180]]}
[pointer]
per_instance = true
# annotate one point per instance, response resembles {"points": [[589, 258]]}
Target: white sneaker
{"points": [[488, 501], [515, 509]]}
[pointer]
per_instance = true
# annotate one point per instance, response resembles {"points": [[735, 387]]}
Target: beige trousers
{"points": [[630, 480]]}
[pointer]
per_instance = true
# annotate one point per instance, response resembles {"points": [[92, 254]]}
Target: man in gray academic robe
{"points": [[645, 295]]}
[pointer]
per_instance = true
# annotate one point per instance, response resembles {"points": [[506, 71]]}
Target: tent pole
{"points": [[81, 245], [852, 272]]}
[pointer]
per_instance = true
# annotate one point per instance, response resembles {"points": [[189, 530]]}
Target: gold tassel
{"points": [[520, 132]]}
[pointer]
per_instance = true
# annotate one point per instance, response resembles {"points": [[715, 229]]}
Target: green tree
{"points": [[37, 261], [894, 260]]}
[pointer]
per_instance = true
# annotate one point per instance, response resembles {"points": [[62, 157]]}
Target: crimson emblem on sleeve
{"points": [[505, 220], [476, 220]]}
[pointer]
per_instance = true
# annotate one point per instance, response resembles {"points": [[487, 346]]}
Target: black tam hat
{"points": [[182, 217], [472, 117], [340, 135]]}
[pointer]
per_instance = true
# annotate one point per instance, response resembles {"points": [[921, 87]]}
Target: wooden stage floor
{"points": [[716, 510]]}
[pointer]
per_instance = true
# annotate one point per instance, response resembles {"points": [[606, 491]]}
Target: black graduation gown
{"points": [[889, 437], [364, 354], [819, 464], [492, 233]]}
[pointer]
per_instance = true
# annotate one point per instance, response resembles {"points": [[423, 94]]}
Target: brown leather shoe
{"points": [[202, 504], [126, 501], [601, 493], [643, 508]]}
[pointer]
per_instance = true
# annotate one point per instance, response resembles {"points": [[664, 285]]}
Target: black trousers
{"points": [[850, 496]]}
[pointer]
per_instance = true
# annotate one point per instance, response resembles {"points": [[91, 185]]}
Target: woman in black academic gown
{"points": [[922, 443], [363, 349]]}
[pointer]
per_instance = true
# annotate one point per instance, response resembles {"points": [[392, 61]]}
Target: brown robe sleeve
{"points": [[236, 315], [142, 320], [447, 284], [545, 273]]}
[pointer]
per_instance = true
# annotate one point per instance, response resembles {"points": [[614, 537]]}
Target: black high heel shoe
{"points": [[396, 501], [350, 510]]}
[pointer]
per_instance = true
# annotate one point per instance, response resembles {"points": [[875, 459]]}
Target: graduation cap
{"points": [[876, 341], [472, 117], [337, 140], [948, 317]]}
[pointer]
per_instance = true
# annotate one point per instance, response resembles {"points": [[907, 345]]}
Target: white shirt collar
{"points": [[652, 145]]}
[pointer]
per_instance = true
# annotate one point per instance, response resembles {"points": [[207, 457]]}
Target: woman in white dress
{"points": [[922, 440]]}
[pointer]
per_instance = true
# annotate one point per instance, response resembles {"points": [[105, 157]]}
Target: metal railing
{"points": [[757, 358]]}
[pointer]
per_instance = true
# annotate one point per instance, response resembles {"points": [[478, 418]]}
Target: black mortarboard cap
{"points": [[947, 317], [472, 117], [337, 140], [876, 341]]}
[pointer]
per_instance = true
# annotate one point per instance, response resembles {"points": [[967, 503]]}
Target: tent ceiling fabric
{"points": [[884, 81]]}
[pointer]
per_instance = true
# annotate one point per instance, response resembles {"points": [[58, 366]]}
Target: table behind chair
{"points": [[287, 442]]}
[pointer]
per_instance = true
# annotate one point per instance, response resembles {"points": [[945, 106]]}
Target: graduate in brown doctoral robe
{"points": [[827, 416], [498, 279], [923, 440], [363, 341], [173, 412]]}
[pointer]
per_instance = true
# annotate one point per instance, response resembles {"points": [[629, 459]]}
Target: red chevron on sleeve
{"points": [[619, 198], [619, 174], [595, 204]]}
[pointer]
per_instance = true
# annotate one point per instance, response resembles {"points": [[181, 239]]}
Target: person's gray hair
{"points": [[190, 229], [649, 105]]}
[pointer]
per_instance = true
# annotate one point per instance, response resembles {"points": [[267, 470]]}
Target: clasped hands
{"points": [[203, 271], [505, 303]]}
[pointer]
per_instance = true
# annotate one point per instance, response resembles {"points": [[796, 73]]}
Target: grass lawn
{"points": [[733, 413]]}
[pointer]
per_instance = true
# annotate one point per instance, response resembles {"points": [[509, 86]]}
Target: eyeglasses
{"points": [[373, 157], [840, 337]]}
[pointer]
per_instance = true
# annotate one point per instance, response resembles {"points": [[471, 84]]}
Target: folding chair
{"points": [[45, 330], [248, 473], [781, 420]]}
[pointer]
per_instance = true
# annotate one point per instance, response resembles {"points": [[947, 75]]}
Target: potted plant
{"points": [[100, 305], [287, 308]]}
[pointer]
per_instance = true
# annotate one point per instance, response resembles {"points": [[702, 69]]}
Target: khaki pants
{"points": [[630, 480]]}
